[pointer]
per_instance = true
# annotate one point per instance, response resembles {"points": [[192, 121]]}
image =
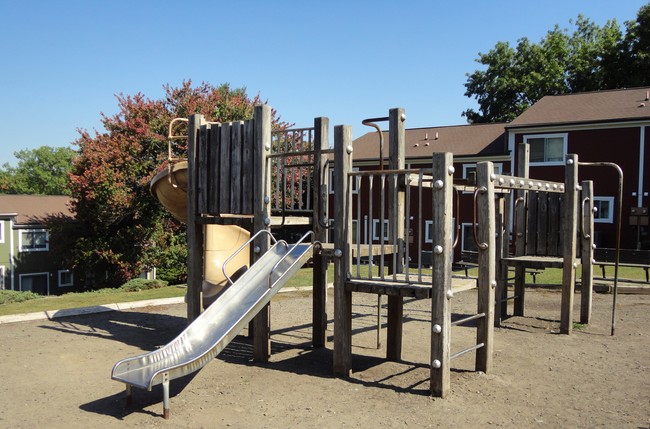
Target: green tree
{"points": [[589, 58], [42, 171], [120, 229]]}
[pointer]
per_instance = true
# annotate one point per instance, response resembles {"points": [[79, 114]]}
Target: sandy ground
{"points": [[57, 373]]}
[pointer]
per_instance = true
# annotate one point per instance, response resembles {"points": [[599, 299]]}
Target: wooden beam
{"points": [[487, 266], [261, 207], [569, 241], [441, 292], [195, 235], [342, 255], [321, 261], [523, 156]]}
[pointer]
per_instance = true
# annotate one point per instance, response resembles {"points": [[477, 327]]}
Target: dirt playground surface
{"points": [[57, 373]]}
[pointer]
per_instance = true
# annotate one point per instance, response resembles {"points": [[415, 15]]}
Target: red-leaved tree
{"points": [[119, 229]]}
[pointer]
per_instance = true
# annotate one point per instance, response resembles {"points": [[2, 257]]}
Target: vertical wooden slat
{"points": [[203, 161], [542, 223], [236, 170], [261, 191], [247, 167], [523, 156], [343, 258], [397, 143], [319, 296], [487, 267], [212, 175], [569, 232], [442, 233], [531, 239], [195, 235], [586, 290], [553, 243], [224, 169], [501, 251]]}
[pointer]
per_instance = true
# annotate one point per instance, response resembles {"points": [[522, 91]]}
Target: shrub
{"points": [[136, 285], [9, 296]]}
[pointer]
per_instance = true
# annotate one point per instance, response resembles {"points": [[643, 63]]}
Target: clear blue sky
{"points": [[62, 62]]}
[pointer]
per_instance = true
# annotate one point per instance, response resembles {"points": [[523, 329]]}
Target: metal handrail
{"points": [[481, 246], [243, 246], [311, 245], [585, 200]]}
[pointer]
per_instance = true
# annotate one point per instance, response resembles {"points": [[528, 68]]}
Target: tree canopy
{"points": [[120, 229], [42, 171], [589, 58]]}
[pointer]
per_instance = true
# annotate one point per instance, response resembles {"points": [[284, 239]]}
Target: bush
{"points": [[136, 285], [9, 296]]}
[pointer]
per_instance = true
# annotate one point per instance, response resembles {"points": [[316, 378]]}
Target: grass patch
{"points": [[87, 299]]}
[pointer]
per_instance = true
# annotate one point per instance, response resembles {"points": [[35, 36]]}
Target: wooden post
{"points": [[342, 254], [523, 155], [262, 220], [195, 233], [500, 305], [486, 265], [442, 233], [586, 291], [569, 228], [321, 194], [397, 139]]}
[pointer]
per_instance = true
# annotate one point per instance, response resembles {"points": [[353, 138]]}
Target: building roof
{"points": [[461, 140], [31, 209], [587, 107]]}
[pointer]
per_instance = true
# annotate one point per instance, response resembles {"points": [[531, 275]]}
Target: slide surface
{"points": [[213, 330]]}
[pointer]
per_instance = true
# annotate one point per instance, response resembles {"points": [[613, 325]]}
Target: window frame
{"points": [[22, 276], [563, 136], [3, 272], [2, 230], [355, 184], [610, 217], [22, 249], [470, 232], [376, 229], [61, 272]]}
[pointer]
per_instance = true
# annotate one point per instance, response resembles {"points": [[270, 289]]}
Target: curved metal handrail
{"points": [[243, 246], [585, 200], [482, 246]]}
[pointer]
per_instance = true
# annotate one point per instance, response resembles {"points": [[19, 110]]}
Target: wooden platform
{"points": [[540, 262], [404, 289]]}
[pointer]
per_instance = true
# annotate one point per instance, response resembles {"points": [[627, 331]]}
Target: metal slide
{"points": [[219, 324]]}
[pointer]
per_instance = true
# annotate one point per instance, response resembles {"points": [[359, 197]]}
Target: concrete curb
{"points": [[56, 314]]}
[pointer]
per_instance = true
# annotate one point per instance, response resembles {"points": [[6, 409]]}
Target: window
{"points": [[33, 240], [470, 170], [355, 181], [428, 231], [66, 278], [37, 283], [2, 231], [604, 209], [467, 236], [547, 149], [2, 277], [376, 230]]}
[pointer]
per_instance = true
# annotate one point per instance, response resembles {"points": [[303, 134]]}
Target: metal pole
{"points": [[618, 230]]}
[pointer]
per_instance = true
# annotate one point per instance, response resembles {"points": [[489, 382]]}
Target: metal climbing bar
{"points": [[467, 319], [462, 352]]}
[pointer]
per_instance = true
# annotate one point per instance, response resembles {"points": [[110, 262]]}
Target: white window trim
{"points": [[3, 271], [462, 234], [375, 230], [2, 231], [563, 136], [20, 240], [428, 224], [61, 284], [20, 280], [610, 217], [355, 185], [498, 168]]}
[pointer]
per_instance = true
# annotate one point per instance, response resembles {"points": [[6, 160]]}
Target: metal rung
{"points": [[468, 319], [510, 298], [462, 352]]}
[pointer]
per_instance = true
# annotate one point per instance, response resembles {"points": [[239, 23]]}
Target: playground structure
{"points": [[242, 175]]}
